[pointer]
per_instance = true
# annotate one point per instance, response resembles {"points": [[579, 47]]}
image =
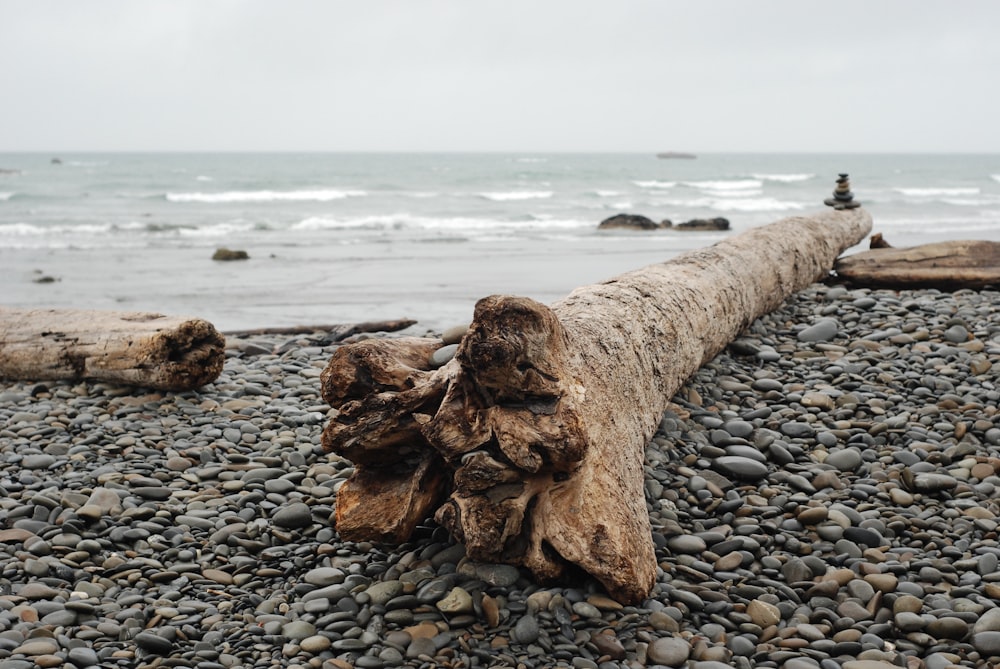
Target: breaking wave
{"points": [[517, 195], [323, 195]]}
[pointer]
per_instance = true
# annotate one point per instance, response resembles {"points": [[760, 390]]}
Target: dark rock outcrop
{"points": [[630, 222], [714, 224], [228, 254]]}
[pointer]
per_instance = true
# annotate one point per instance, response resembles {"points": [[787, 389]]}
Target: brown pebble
{"points": [[842, 576], [604, 603], [883, 582], [491, 611], [812, 515], [982, 470], [424, 630], [609, 645]]}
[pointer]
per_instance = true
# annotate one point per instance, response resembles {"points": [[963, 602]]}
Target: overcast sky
{"points": [[494, 75]]}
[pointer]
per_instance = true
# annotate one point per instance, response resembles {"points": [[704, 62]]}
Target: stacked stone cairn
{"points": [[842, 198]]}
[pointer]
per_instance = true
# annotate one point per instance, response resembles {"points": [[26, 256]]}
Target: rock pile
{"points": [[823, 495]]}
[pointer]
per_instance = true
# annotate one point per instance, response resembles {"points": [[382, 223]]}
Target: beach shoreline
{"points": [[819, 495]]}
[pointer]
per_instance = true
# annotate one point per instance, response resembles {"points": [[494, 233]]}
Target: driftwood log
{"points": [[528, 445], [944, 265], [130, 348], [335, 332]]}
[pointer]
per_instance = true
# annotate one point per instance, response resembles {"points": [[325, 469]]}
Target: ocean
{"points": [[346, 238]]}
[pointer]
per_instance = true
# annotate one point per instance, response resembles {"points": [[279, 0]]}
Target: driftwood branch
{"points": [[130, 348], [338, 331], [541, 420], [944, 265]]}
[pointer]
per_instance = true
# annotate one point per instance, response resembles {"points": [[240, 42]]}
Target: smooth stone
{"points": [[381, 592], [298, 629], [956, 334], [797, 430], [824, 329], [948, 627], [323, 576], [36, 590], [933, 482], [443, 355], [909, 622], [686, 543], [738, 428], [526, 630], [38, 646], [669, 651], [499, 575], [296, 515], [744, 468], [83, 657], [315, 644], [763, 614], [456, 602], [987, 643], [609, 645], [37, 461], [844, 459], [863, 536], [989, 621], [454, 334], [154, 643]]}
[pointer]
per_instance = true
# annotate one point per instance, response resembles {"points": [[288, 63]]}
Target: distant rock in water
{"points": [[676, 154], [630, 222], [713, 224], [227, 254]]}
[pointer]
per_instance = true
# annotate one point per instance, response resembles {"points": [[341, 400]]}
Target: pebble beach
{"points": [[823, 495]]}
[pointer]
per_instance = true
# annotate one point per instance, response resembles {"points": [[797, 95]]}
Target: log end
{"points": [[385, 504]]}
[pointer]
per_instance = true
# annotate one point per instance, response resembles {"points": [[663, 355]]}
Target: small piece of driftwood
{"points": [[339, 331], [944, 265], [129, 348], [529, 444]]}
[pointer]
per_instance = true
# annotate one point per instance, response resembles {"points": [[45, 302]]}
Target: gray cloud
{"points": [[781, 75]]}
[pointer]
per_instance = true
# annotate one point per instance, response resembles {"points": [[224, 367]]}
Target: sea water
{"points": [[345, 238]]}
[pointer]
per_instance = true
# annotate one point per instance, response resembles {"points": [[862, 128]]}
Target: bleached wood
{"points": [[543, 415], [944, 265], [130, 348]]}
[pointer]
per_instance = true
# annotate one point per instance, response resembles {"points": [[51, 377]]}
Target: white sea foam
{"points": [[322, 195], [407, 221], [21, 230], [995, 177], [532, 160], [517, 195], [5, 196], [734, 193], [606, 193], [751, 204], [655, 184], [734, 184], [784, 178], [204, 178], [936, 192], [755, 204], [217, 229], [969, 202]]}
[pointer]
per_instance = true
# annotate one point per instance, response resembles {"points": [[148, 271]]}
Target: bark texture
{"points": [[129, 348], [541, 420], [944, 265]]}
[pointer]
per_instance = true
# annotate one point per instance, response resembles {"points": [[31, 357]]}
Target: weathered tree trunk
{"points": [[542, 417], [945, 265], [130, 348]]}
